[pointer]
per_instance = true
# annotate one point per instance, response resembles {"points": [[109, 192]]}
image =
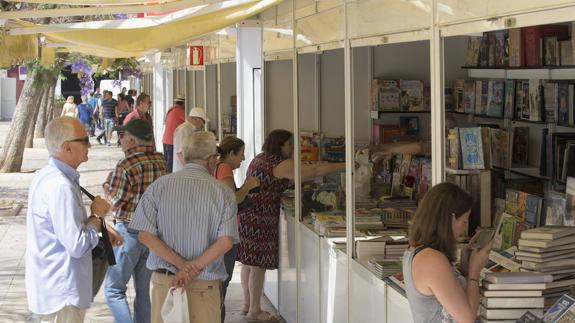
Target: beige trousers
{"points": [[68, 314], [204, 298]]}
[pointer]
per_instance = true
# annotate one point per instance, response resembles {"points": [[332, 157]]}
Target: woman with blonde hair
{"points": [[69, 109]]}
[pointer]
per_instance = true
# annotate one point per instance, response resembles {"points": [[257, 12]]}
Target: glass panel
{"points": [[227, 46], [321, 28], [376, 17]]}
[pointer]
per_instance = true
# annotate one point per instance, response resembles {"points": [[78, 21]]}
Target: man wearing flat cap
{"points": [[175, 116], [141, 166]]}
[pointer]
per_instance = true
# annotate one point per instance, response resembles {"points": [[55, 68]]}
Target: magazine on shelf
{"points": [[563, 311], [473, 44], [471, 148]]}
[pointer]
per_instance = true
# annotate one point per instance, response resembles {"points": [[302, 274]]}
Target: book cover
{"points": [[498, 238], [511, 201], [550, 99], [529, 317], [411, 95], [520, 148], [454, 158], [535, 100], [469, 97], [532, 38], [566, 53], [570, 203], [499, 147], [563, 107], [550, 51], [562, 306], [374, 95], [471, 148], [473, 44], [515, 47], [512, 293], [522, 100], [501, 54], [389, 95], [509, 98], [533, 209], [486, 145], [495, 98], [521, 199], [481, 95], [514, 287], [393, 133], [458, 90], [491, 38], [507, 232], [484, 51], [555, 208]]}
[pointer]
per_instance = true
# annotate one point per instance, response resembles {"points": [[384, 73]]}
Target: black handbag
{"points": [[104, 248]]}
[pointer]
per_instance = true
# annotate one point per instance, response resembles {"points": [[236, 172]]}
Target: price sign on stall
{"points": [[197, 55]]}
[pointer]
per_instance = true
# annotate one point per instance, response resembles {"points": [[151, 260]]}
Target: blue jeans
{"points": [[130, 261], [229, 263], [169, 157]]}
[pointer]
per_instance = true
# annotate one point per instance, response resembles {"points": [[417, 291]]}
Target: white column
{"points": [[249, 99], [160, 95], [437, 110]]}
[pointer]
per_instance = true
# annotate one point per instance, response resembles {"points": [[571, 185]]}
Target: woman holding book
{"points": [[437, 291]]}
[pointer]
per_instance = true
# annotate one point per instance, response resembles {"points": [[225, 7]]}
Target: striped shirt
{"points": [[131, 177], [188, 210]]}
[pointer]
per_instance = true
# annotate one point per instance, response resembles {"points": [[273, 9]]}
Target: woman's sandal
{"points": [[263, 317]]}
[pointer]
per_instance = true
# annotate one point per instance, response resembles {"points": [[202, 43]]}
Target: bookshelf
{"points": [[522, 73], [376, 114]]}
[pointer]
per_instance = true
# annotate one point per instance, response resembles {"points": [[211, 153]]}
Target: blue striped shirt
{"points": [[188, 210]]}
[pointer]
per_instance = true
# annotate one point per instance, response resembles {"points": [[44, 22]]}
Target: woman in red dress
{"points": [[259, 223]]}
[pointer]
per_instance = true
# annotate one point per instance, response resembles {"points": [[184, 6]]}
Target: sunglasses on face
{"points": [[85, 140]]}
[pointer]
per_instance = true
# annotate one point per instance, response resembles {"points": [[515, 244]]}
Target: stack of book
{"points": [[506, 296], [549, 250], [383, 268], [389, 247]]}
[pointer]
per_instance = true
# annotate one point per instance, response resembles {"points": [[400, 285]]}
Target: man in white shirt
{"points": [[60, 235], [195, 121]]}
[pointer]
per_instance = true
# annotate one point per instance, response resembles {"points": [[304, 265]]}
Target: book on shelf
{"points": [[501, 261], [566, 53], [454, 158], [546, 243], [495, 98], [520, 147], [548, 233], [533, 38], [568, 169], [513, 287], [533, 209], [512, 302], [411, 95], [509, 104], [481, 97], [564, 104], [458, 95], [551, 101], [472, 151], [374, 95], [555, 208], [545, 250], [563, 311], [473, 44], [550, 51], [499, 147], [529, 317], [389, 95], [512, 293], [536, 100], [469, 97], [544, 256], [310, 146], [516, 57], [483, 60], [522, 100]]}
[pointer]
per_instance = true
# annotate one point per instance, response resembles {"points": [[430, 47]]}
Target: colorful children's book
{"points": [[509, 98], [535, 100], [495, 98], [499, 147], [471, 148], [411, 95], [473, 44], [454, 158], [389, 95]]}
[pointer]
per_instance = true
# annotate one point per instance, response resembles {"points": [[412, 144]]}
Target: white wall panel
{"points": [[377, 17], [279, 95], [212, 96], [307, 91]]}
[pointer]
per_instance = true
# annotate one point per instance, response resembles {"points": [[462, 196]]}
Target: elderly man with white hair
{"points": [[195, 121], [60, 234], [188, 220]]}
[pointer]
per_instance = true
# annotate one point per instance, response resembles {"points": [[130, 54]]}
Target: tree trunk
{"points": [[43, 115], [13, 150], [32, 127]]}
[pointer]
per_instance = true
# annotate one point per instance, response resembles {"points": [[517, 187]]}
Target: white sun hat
{"points": [[198, 113]]}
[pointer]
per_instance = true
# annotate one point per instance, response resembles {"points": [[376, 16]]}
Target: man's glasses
{"points": [[85, 140]]}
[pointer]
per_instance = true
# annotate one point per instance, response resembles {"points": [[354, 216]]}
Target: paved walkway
{"points": [[14, 189]]}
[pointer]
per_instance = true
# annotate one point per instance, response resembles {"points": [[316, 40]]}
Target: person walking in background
{"points": [[94, 102], [130, 99], [60, 235], [194, 122], [123, 108], [142, 110], [175, 116], [231, 151], [188, 220], [85, 113], [69, 109], [109, 115], [141, 166]]}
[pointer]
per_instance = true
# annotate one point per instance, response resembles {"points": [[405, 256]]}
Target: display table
{"points": [[324, 283]]}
